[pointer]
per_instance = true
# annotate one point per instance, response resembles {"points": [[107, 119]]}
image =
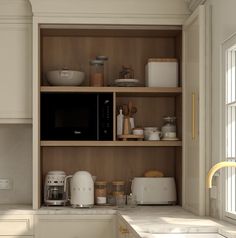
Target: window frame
{"points": [[228, 45]]}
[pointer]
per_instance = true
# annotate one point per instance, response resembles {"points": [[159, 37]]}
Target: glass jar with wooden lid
{"points": [[96, 73], [101, 192], [118, 188]]}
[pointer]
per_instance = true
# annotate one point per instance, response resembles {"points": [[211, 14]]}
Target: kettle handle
{"points": [[65, 182], [65, 186]]}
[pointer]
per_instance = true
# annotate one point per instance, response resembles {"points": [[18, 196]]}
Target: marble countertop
{"points": [[145, 221], [148, 222]]}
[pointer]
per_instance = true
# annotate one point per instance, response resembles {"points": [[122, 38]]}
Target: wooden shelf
{"points": [[113, 143], [120, 91]]}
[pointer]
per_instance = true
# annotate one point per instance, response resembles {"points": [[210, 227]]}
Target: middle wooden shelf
{"points": [[139, 91], [113, 143]]}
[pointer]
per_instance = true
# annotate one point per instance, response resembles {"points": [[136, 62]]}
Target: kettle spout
{"points": [[215, 168]]}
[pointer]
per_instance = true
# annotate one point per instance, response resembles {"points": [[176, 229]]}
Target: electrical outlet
{"points": [[5, 184]]}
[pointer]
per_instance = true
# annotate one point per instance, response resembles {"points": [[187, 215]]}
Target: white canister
{"points": [[161, 73]]}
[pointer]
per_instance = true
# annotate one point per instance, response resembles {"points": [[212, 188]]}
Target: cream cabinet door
{"points": [[15, 74], [194, 173], [122, 230], [75, 226], [16, 225]]}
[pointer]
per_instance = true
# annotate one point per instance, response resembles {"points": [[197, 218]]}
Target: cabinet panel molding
{"points": [[16, 225], [163, 12], [75, 226], [15, 59]]}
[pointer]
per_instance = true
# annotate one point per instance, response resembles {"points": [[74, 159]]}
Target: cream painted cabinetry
{"points": [[123, 230], [15, 62], [194, 159], [15, 83], [159, 15], [75, 226], [16, 226]]}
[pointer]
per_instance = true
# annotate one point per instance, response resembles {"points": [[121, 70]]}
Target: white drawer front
{"points": [[75, 226], [16, 225]]}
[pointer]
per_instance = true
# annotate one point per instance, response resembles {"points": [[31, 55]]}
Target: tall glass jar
{"points": [[118, 188], [101, 192], [97, 73], [106, 69]]}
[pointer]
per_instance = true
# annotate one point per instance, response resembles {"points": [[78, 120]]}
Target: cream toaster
{"points": [[154, 190]]}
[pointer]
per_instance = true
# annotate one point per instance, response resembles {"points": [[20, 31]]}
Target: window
{"points": [[229, 53]]}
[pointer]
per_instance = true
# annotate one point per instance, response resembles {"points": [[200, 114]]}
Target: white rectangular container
{"points": [[161, 73]]}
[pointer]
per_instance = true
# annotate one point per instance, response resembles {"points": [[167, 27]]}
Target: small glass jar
{"points": [[101, 192], [118, 188], [97, 73]]}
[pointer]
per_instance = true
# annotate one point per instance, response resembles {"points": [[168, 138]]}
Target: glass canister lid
{"points": [[101, 183], [102, 57], [169, 119], [96, 62], [118, 182]]}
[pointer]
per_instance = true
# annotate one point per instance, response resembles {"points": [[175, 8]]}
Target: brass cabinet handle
{"points": [[123, 230], [193, 116]]}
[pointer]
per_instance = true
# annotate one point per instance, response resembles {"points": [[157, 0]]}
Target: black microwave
{"points": [[76, 116]]}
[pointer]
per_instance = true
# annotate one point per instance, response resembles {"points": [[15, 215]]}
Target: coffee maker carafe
{"points": [[54, 188]]}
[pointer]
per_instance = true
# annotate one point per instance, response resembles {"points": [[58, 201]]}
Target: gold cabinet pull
{"points": [[123, 230], [193, 116]]}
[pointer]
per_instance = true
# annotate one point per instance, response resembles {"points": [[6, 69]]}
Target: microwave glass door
{"points": [[69, 116]]}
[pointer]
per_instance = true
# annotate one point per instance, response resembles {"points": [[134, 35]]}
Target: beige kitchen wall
{"points": [[16, 163]]}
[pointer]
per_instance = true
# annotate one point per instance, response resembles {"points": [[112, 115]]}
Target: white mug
{"points": [[155, 135], [148, 131]]}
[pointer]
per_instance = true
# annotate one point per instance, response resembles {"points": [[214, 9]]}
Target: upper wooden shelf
{"points": [[123, 91], [113, 143]]}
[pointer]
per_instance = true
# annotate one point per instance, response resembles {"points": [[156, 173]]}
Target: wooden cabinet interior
{"points": [[72, 49], [113, 163]]}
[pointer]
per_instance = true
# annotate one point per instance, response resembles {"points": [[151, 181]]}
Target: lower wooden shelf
{"points": [[113, 143]]}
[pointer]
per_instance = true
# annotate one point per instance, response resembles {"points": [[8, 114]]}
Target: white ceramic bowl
{"points": [[65, 77], [138, 131]]}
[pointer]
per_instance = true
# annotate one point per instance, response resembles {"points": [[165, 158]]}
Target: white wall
{"points": [[16, 163], [223, 26]]}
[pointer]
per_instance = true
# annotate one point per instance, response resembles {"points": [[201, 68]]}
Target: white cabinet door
{"points": [[75, 226], [194, 173], [15, 74], [16, 225]]}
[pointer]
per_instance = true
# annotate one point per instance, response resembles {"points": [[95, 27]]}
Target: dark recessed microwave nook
{"points": [[76, 116]]}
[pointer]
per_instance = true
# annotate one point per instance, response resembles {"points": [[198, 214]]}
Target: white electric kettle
{"points": [[81, 189]]}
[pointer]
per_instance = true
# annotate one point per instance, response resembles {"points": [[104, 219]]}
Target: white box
{"points": [[161, 73]]}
